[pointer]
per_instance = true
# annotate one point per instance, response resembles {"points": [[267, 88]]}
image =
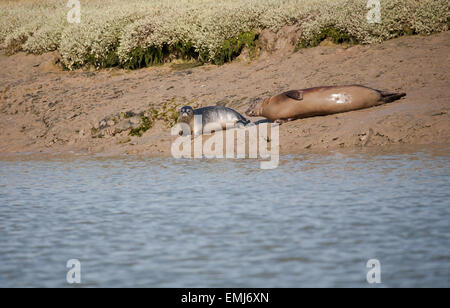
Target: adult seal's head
{"points": [[255, 107], [210, 119]]}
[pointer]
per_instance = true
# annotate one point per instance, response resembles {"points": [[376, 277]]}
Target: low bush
{"points": [[140, 33]]}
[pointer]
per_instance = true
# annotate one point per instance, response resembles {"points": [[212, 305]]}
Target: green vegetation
{"points": [[140, 33], [335, 35], [146, 124], [232, 47], [124, 141], [136, 124], [150, 56], [167, 112]]}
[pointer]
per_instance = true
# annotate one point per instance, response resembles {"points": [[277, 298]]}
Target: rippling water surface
{"points": [[314, 221]]}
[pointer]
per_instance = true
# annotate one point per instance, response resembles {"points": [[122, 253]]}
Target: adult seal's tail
{"points": [[388, 97], [304, 103], [213, 118]]}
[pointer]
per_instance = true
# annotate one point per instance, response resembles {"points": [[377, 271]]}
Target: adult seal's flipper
{"points": [[389, 97], [294, 94]]}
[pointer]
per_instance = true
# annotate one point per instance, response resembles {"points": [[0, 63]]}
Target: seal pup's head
{"points": [[255, 108], [186, 114]]}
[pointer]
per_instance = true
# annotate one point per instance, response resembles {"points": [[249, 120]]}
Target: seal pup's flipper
{"points": [[294, 94], [241, 124]]}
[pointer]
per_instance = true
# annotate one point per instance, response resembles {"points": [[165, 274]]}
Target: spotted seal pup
{"points": [[213, 118]]}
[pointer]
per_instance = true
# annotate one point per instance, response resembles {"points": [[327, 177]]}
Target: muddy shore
{"points": [[44, 109]]}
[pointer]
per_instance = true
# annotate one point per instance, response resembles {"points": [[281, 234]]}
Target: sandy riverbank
{"points": [[44, 109]]}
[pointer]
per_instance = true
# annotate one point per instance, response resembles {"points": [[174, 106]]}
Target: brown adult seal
{"points": [[304, 103]]}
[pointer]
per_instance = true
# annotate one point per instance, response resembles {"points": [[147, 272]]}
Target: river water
{"points": [[315, 221]]}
